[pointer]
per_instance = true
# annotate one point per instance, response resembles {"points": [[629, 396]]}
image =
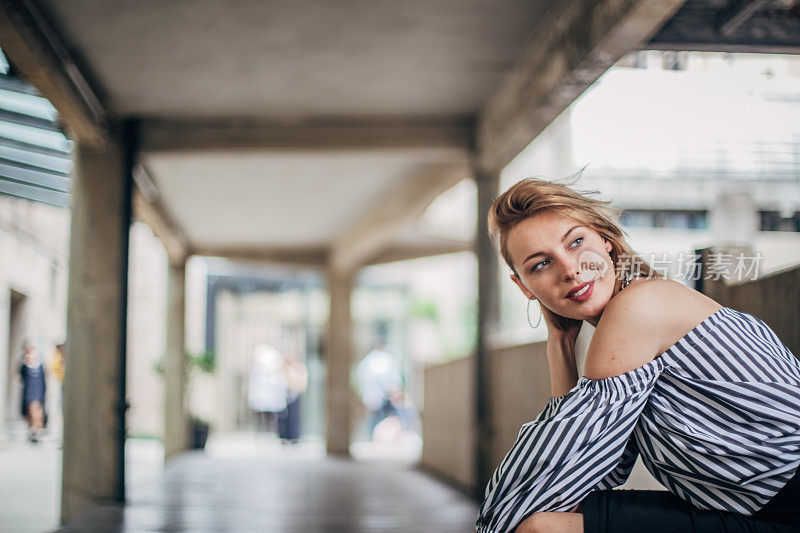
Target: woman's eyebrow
{"points": [[564, 238]]}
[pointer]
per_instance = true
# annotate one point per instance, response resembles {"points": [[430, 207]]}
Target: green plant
{"points": [[425, 309], [205, 361]]}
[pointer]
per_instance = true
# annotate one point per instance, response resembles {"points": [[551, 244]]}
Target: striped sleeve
{"points": [[579, 443], [622, 470]]}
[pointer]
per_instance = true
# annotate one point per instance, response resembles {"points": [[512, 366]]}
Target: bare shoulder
{"points": [[642, 322]]}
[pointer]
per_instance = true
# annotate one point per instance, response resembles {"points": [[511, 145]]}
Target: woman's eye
{"points": [[538, 266]]}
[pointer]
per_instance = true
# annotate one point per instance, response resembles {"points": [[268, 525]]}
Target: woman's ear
{"points": [[528, 294], [608, 246]]}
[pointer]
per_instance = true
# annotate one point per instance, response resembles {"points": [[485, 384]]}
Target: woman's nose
{"points": [[570, 269]]}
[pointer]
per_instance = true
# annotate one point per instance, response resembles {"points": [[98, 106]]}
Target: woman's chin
{"points": [[574, 314], [589, 310]]}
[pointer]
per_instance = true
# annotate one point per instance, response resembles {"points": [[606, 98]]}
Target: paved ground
{"points": [[30, 477], [243, 482], [30, 485]]}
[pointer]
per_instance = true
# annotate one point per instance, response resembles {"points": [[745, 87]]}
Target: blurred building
{"points": [[34, 234], [698, 149]]}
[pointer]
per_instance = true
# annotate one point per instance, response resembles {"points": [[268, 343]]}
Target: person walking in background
{"points": [[57, 369], [296, 375], [33, 391], [267, 388], [380, 379]]}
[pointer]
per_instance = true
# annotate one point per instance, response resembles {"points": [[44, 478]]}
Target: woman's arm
{"points": [[563, 368], [561, 357], [582, 443]]}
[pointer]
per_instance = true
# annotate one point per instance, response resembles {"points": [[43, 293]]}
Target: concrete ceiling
{"points": [[289, 63], [314, 126], [299, 58], [246, 200]]}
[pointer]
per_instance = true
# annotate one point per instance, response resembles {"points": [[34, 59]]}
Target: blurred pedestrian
{"points": [[380, 380], [296, 375], [57, 369], [33, 392], [267, 387]]}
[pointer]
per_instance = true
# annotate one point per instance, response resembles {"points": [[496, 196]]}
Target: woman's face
{"points": [[557, 257], [31, 357]]}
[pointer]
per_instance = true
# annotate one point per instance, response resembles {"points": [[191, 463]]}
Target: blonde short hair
{"points": [[532, 196]]}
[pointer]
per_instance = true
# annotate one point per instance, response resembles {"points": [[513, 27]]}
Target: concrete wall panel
{"points": [[448, 426]]}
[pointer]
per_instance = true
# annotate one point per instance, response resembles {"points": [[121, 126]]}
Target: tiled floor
{"points": [[288, 492]]}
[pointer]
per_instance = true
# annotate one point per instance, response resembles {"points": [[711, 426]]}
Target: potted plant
{"points": [[199, 432], [206, 363]]}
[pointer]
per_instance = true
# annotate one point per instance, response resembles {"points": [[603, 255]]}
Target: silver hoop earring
{"points": [[528, 312]]}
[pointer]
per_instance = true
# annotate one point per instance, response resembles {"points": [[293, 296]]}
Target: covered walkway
{"points": [[304, 134], [311, 135]]}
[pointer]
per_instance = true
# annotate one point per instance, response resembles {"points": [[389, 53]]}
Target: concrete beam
{"points": [[313, 257], [737, 13], [40, 55], [572, 47], [148, 208], [429, 248], [176, 416], [374, 232], [743, 26], [730, 48], [94, 385], [161, 135]]}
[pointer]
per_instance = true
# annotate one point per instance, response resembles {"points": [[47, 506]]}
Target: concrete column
{"points": [[339, 360], [724, 266], [94, 386], [734, 218], [488, 317], [176, 419]]}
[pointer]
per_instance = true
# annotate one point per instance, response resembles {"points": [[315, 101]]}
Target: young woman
{"points": [[707, 395], [31, 371]]}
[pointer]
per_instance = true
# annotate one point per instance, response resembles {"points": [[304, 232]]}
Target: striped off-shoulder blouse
{"points": [[716, 419]]}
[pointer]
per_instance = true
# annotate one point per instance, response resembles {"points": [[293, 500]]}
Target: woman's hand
{"points": [[559, 335]]}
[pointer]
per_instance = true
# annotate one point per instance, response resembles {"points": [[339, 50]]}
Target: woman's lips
{"points": [[585, 296]]}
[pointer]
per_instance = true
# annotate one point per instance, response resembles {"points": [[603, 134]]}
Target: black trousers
{"points": [[652, 511], [289, 421]]}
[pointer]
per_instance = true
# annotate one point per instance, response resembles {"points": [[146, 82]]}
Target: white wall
{"points": [[34, 240]]}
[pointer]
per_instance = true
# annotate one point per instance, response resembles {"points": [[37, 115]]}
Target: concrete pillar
{"points": [[488, 317], [176, 419], [724, 266], [94, 386], [339, 361], [228, 308], [734, 218]]}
